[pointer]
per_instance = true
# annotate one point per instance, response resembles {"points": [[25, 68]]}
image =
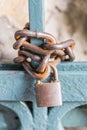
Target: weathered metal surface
{"points": [[76, 117], [56, 115], [23, 115], [48, 94], [21, 86], [39, 118], [8, 119]]}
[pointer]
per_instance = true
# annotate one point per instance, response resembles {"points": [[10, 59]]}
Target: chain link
{"points": [[47, 54]]}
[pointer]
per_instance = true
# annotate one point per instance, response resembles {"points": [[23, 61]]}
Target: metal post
{"points": [[36, 16]]}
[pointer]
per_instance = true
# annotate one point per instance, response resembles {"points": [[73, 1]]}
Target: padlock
{"points": [[49, 94]]}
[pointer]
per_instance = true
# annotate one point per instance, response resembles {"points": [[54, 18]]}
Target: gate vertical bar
{"points": [[36, 16]]}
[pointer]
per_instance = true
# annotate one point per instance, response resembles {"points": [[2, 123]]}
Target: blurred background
{"points": [[64, 19]]}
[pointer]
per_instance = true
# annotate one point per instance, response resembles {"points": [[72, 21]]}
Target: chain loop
{"points": [[47, 54]]}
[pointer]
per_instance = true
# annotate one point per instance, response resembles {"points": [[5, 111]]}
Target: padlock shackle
{"points": [[55, 72]]}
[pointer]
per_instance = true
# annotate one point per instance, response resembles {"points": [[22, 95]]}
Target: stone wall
{"points": [[18, 9]]}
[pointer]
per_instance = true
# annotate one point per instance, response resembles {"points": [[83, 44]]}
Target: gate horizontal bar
{"points": [[16, 84]]}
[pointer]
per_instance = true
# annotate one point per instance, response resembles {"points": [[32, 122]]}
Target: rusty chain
{"points": [[49, 53]]}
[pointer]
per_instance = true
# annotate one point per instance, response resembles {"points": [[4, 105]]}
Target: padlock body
{"points": [[49, 94]]}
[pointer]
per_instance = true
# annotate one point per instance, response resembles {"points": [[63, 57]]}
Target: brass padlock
{"points": [[49, 94]]}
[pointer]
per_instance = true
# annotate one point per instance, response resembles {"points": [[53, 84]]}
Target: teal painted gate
{"points": [[18, 109]]}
